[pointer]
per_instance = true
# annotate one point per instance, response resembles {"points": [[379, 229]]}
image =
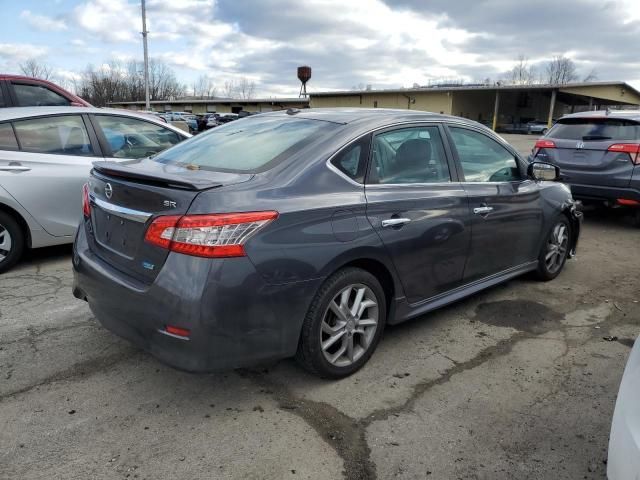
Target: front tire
{"points": [[555, 250], [343, 325], [11, 242]]}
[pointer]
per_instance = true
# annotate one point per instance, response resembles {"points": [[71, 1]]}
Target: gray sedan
{"points": [[46, 154]]}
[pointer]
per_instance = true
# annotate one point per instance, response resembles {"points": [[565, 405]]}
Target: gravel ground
{"points": [[515, 382]]}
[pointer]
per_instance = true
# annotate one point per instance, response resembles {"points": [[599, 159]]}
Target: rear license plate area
{"points": [[117, 234]]}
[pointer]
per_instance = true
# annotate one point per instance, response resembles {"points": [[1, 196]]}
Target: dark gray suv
{"points": [[598, 153], [305, 232]]}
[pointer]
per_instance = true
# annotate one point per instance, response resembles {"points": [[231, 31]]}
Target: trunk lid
{"points": [[125, 198]]}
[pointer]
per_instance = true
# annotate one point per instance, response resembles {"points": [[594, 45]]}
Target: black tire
{"points": [[310, 354], [9, 227], [548, 270]]}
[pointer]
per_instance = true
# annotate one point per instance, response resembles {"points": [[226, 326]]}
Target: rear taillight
{"points": [[86, 203], [633, 149], [216, 235], [542, 143]]}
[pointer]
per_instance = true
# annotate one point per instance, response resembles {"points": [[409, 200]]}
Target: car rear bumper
{"points": [[603, 193], [234, 317]]}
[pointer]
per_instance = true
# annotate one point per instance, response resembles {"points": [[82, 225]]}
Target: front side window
{"points": [[133, 138], [482, 158], [37, 96], [248, 145], [7, 138], [62, 135], [409, 155]]}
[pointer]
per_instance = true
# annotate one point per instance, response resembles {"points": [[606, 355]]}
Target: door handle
{"points": [[482, 210], [14, 168], [395, 222]]}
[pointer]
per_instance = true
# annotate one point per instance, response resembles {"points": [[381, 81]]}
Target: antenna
{"points": [[304, 75]]}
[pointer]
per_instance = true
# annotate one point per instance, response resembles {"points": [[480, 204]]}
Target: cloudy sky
{"points": [[385, 43]]}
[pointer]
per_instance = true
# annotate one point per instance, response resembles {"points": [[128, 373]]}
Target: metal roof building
{"points": [[215, 104], [499, 106]]}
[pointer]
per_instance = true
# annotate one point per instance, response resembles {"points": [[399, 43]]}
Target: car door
{"points": [[127, 138], [506, 206], [418, 208], [46, 173]]}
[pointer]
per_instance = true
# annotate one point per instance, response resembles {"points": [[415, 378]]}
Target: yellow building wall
{"points": [[427, 101], [615, 93]]}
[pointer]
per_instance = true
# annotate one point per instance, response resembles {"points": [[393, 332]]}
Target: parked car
{"points": [[207, 121], [623, 461], [598, 153], [45, 158], [183, 117], [21, 91], [258, 240], [537, 126], [227, 117]]}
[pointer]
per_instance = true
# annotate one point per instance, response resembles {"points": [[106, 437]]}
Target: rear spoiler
{"points": [[186, 181]]}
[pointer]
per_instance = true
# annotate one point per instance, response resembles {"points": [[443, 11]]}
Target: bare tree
{"points": [[204, 87], [561, 70], [115, 82], [239, 88], [246, 88], [34, 68], [592, 76], [522, 73]]}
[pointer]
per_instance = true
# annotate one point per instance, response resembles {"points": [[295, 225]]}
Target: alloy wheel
{"points": [[556, 248], [5, 243], [349, 325]]}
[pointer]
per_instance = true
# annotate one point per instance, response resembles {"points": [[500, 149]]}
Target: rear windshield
{"points": [[248, 145], [595, 129]]}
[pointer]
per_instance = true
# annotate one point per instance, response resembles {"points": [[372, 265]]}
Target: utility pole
{"points": [[146, 56]]}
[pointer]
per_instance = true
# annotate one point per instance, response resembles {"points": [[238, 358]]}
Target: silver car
{"points": [[46, 154], [624, 442]]}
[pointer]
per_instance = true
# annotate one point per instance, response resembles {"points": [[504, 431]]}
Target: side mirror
{"points": [[543, 171]]}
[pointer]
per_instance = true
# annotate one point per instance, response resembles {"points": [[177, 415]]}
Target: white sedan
{"points": [[624, 442], [46, 154]]}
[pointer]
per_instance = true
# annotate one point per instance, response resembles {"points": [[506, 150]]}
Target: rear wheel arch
{"points": [[382, 274], [24, 226]]}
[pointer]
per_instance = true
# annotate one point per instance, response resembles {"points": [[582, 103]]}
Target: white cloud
{"points": [[42, 22], [21, 51], [110, 20]]}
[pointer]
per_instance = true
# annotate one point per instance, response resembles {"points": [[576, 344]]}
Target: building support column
{"points": [[552, 105], [496, 107], [590, 103]]}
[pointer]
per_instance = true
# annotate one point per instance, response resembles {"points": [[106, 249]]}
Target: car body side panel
{"points": [[50, 190]]}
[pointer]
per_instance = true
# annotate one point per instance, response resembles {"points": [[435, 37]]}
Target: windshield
{"points": [[248, 145], [595, 129]]}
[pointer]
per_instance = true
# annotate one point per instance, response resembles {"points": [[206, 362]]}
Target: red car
{"points": [[21, 91]]}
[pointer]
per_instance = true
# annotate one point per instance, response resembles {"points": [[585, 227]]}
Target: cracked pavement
{"points": [[515, 382]]}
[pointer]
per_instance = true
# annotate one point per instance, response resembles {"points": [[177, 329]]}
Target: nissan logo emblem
{"points": [[108, 191]]}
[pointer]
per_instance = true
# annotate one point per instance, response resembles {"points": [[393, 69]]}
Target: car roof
{"points": [[614, 114], [15, 113], [372, 116]]}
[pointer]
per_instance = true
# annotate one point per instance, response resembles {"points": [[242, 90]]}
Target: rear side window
{"points": [[29, 95], [595, 129], [133, 138], [62, 135], [7, 138], [3, 102], [248, 145], [352, 160]]}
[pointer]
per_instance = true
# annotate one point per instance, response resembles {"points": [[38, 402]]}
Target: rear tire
{"points": [[555, 250], [11, 242], [343, 325]]}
